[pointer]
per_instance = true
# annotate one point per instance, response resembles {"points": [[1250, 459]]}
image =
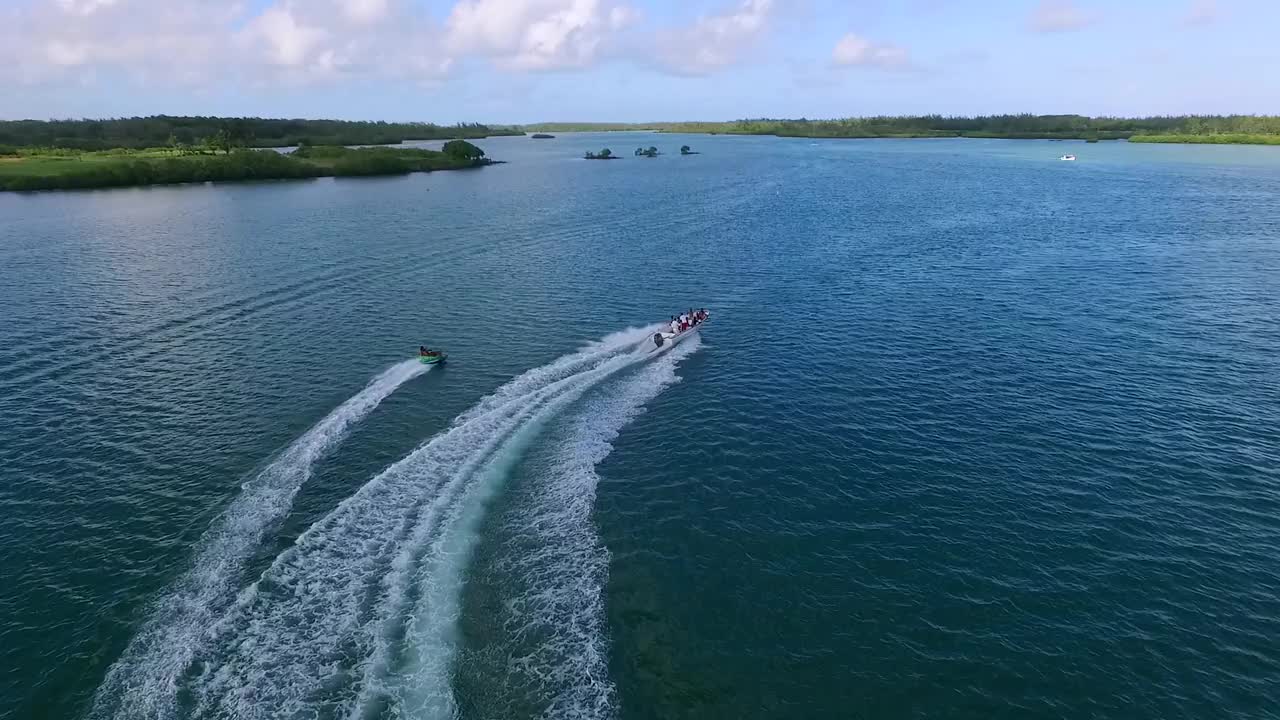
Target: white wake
{"points": [[144, 682], [563, 567], [325, 630]]}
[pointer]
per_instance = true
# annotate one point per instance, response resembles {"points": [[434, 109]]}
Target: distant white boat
{"points": [[1067, 157]]}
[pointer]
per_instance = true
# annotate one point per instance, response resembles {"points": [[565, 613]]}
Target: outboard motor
{"points": [[658, 339]]}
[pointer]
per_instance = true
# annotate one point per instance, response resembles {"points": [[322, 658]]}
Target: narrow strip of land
{"points": [[1236, 129], [214, 133], [62, 169]]}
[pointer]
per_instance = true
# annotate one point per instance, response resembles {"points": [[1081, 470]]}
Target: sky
{"points": [[523, 61]]}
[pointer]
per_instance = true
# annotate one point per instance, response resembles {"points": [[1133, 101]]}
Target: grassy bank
{"points": [[67, 170], [1223, 139]]}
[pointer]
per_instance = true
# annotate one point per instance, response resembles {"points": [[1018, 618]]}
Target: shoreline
{"points": [[1219, 139], [1171, 139], [1242, 130]]}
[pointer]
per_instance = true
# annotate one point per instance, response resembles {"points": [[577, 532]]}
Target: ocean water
{"points": [[973, 433]]}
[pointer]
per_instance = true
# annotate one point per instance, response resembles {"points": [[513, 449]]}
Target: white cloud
{"points": [[365, 11], [84, 7], [239, 43], [66, 54], [289, 42], [856, 50], [715, 41], [307, 41], [1201, 13], [208, 43], [1059, 16], [536, 34], [234, 44], [220, 42], [71, 40]]}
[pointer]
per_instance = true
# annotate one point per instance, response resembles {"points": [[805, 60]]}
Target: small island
{"points": [[605, 154], [686, 150], [542, 136], [652, 152]]}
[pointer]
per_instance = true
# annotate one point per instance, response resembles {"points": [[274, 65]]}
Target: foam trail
{"points": [[566, 578], [144, 682], [562, 565], [329, 605]]}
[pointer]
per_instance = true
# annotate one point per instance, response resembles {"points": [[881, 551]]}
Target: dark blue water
{"points": [[973, 433]]}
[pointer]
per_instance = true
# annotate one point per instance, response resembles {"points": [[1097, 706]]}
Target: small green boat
{"points": [[436, 359]]}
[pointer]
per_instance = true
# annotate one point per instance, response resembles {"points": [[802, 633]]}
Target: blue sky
{"points": [[635, 60]]}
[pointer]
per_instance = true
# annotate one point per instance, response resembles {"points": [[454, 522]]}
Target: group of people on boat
{"points": [[684, 321]]}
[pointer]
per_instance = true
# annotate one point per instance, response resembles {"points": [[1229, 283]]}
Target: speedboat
{"points": [[1067, 157], [666, 340]]}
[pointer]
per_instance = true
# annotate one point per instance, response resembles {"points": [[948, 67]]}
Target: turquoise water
{"points": [[973, 433]]}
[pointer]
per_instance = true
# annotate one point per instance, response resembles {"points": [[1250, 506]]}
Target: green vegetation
{"points": [[542, 136], [74, 171], [1223, 139], [225, 133], [652, 152], [1040, 127], [686, 150], [341, 161], [588, 127], [461, 150], [605, 154], [70, 169]]}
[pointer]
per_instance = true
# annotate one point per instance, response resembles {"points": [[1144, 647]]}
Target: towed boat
{"points": [[666, 340]]}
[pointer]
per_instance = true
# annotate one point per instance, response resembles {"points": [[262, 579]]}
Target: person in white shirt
{"points": [[675, 326]]}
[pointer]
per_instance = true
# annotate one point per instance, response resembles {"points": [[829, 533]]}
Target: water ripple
{"points": [[973, 435]]}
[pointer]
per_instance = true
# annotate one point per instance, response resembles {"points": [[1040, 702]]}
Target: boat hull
{"points": [[670, 340]]}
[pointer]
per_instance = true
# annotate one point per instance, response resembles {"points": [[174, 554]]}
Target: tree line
{"points": [[1005, 126], [198, 132]]}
